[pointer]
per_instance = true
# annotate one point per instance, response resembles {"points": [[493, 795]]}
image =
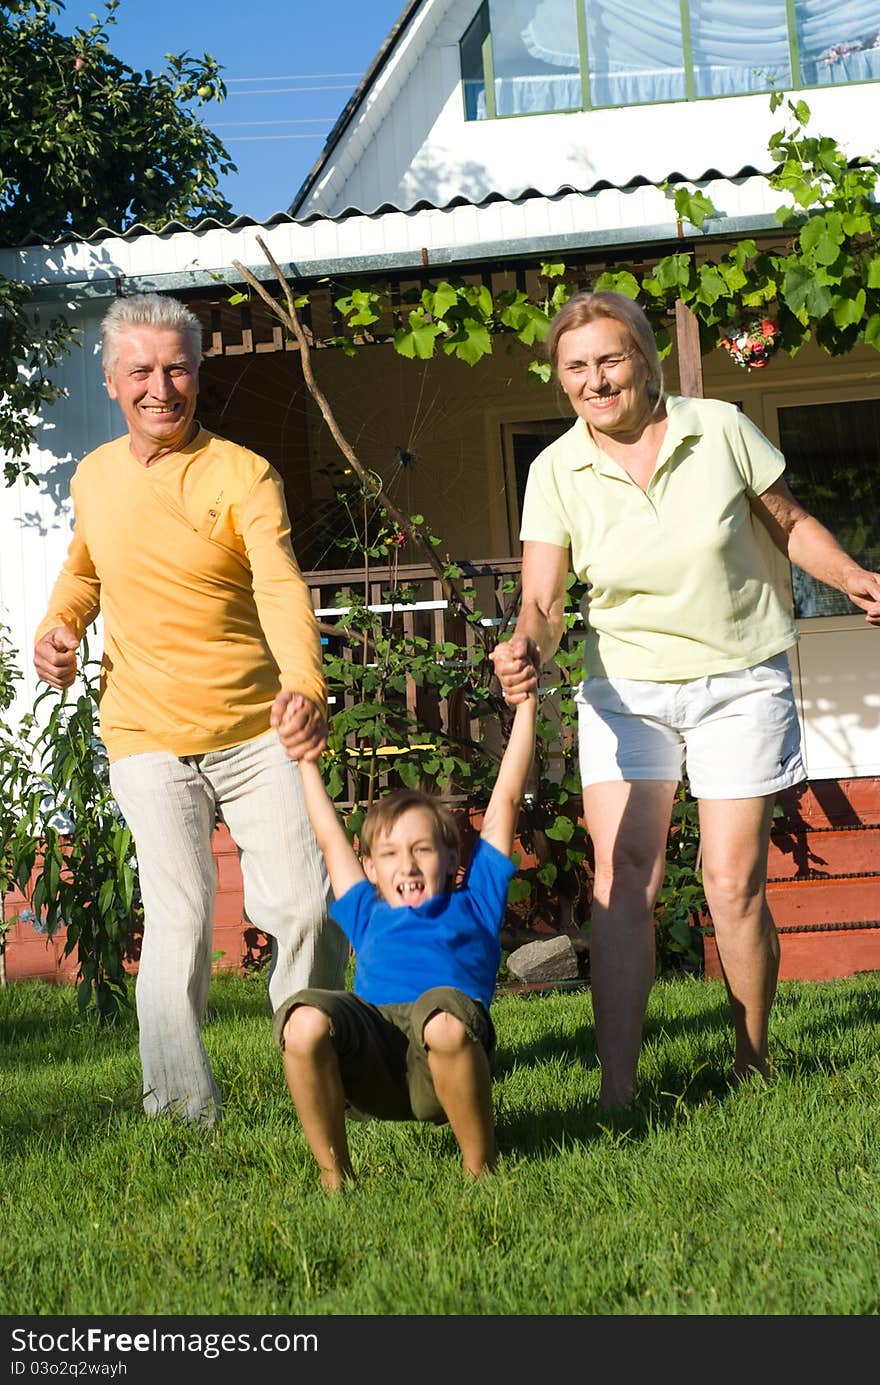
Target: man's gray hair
{"points": [[148, 310]]}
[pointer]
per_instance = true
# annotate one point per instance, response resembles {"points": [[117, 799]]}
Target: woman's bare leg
{"points": [[629, 827], [735, 838]]}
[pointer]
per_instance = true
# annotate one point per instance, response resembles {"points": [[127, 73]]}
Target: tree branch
{"points": [[290, 319]]}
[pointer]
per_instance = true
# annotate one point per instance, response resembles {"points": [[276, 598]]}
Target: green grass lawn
{"points": [[708, 1199]]}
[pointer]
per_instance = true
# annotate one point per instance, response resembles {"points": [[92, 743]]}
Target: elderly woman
{"points": [[653, 500]]}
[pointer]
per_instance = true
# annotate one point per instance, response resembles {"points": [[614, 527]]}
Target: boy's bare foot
{"points": [[471, 1175], [763, 1070], [334, 1180]]}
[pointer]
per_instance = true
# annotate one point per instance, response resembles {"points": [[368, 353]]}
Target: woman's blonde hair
{"points": [[587, 307]]}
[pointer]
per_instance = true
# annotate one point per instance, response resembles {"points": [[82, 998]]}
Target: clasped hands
{"points": [[517, 663], [301, 726]]}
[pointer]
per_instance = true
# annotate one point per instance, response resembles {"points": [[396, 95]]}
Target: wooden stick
{"points": [[291, 320]]}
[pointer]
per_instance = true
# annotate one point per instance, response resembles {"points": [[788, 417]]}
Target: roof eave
{"points": [[410, 259]]}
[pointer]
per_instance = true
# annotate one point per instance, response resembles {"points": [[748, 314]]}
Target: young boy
{"points": [[414, 1040]]}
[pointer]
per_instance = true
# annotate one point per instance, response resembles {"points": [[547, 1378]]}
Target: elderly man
{"points": [[182, 540]]}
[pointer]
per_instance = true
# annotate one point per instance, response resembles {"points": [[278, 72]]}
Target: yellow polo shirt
{"points": [[679, 586], [206, 615]]}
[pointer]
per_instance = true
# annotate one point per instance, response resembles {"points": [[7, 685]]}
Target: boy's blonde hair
{"points": [[385, 812]]}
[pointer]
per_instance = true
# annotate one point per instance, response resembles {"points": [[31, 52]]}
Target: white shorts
{"points": [[739, 731]]}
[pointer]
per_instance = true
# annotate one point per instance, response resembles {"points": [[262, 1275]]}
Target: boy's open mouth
{"points": [[411, 889]]}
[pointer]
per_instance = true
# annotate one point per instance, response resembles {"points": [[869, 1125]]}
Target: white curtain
{"points": [[636, 55]]}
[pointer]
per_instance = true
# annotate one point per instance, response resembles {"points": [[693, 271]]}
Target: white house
{"points": [[485, 138]]}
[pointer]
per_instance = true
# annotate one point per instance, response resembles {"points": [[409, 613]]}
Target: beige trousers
{"points": [[171, 805]]}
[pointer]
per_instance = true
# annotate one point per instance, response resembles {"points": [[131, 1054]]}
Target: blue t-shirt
{"points": [[450, 940]]}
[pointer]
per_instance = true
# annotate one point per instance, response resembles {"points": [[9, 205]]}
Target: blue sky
{"points": [[289, 65]]}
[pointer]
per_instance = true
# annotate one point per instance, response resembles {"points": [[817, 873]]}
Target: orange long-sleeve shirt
{"points": [[205, 612]]}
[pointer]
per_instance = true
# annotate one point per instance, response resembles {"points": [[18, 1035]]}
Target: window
{"points": [[527, 56], [831, 453]]}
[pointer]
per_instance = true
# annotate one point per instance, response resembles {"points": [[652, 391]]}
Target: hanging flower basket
{"points": [[753, 344]]}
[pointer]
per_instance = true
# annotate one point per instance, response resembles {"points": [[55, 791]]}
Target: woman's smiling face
{"points": [[606, 377]]}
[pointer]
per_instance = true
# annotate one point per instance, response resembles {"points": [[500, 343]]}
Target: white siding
{"points": [[35, 520], [426, 150]]}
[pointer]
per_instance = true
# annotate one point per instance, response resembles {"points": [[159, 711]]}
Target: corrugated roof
{"points": [[386, 209], [609, 221]]}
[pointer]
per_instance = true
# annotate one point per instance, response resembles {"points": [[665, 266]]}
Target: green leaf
{"points": [[470, 343], [418, 341], [410, 774], [445, 297], [872, 331], [823, 237], [621, 281], [518, 890], [711, 285], [803, 295], [692, 206], [106, 896], [674, 272], [562, 830], [847, 309]]}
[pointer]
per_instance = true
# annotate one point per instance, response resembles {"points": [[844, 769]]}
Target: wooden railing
{"points": [[487, 576], [428, 615]]}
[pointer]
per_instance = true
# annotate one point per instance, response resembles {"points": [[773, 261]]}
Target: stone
{"points": [[553, 960]]}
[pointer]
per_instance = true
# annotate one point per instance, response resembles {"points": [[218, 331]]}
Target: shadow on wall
{"points": [[55, 484]]}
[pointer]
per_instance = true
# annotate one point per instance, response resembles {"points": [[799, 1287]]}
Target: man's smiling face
{"points": [[155, 382]]}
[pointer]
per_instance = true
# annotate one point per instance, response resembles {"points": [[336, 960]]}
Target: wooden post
{"points": [[690, 364]]}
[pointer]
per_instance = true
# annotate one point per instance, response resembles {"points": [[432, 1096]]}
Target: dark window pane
{"points": [[526, 441], [471, 49], [832, 453]]}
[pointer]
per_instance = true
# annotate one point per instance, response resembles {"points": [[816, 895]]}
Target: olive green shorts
{"points": [[381, 1050]]}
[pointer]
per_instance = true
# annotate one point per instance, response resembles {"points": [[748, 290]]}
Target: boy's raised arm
{"points": [[502, 812], [343, 866]]}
